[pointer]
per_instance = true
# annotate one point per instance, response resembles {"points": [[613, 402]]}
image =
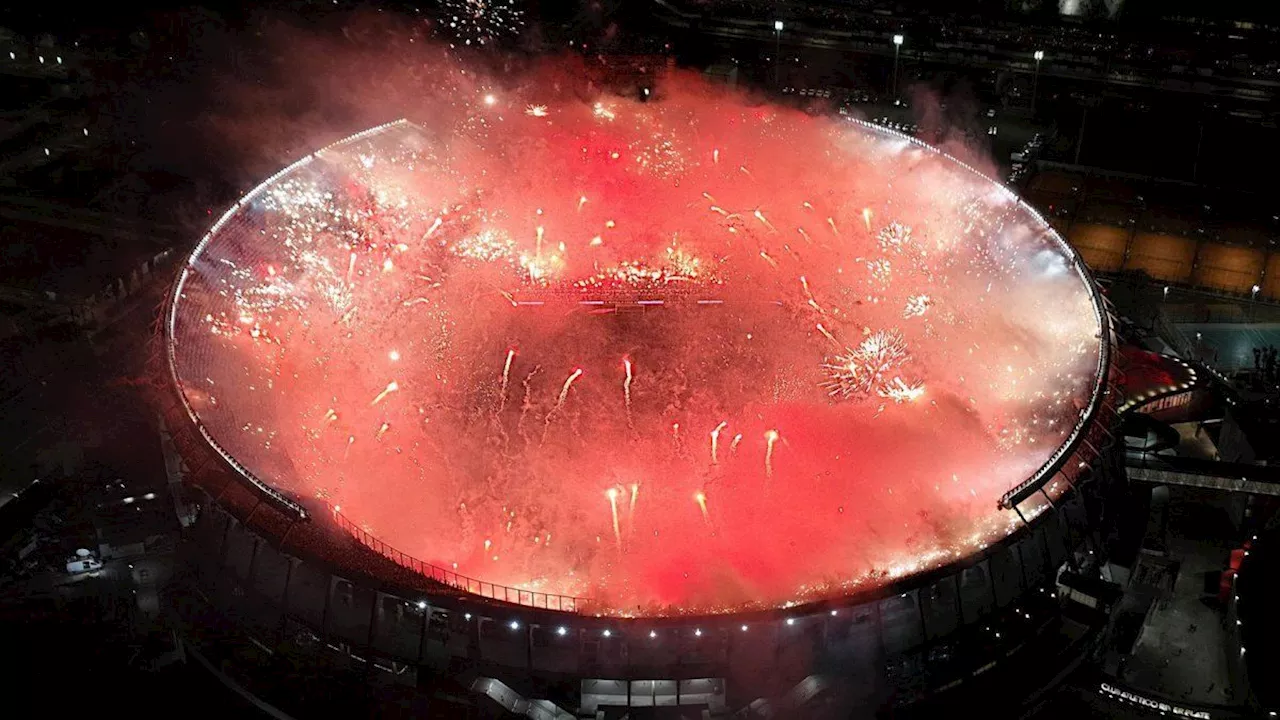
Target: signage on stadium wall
{"points": [[1166, 402], [1156, 705]]}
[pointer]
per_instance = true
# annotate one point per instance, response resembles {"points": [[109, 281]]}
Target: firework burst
{"points": [[868, 368], [481, 22]]}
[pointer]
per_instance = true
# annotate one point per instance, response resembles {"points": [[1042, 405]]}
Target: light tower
{"points": [[1035, 82], [777, 49], [897, 47]]}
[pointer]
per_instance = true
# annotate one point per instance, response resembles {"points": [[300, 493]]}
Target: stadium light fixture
{"points": [[897, 48], [1035, 81], [777, 49]]}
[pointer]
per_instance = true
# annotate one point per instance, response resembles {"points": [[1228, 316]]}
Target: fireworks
{"points": [[917, 305], [481, 21], [701, 498], [626, 387], [894, 237], [901, 391], [506, 376], [715, 441], [350, 318], [390, 388], [564, 394], [865, 369], [612, 494], [771, 438]]}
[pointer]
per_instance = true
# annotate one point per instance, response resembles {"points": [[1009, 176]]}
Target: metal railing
{"points": [[528, 598]]}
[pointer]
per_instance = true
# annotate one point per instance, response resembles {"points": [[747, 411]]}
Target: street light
{"points": [[897, 46], [1035, 82], [777, 49]]}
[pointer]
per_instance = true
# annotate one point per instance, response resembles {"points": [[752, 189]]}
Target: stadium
{"points": [[465, 409]]}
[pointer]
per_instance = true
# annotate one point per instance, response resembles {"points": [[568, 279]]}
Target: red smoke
{"points": [[454, 240]]}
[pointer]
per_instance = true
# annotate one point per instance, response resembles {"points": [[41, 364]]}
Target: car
{"points": [[80, 566]]}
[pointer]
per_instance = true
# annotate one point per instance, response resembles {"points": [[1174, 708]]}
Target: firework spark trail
{"points": [[772, 438], [813, 303], [434, 227], [626, 388], [760, 216], [832, 222], [733, 446], [351, 439], [827, 334], [635, 493], [715, 441], [528, 397], [506, 375], [866, 218], [391, 387], [701, 498], [612, 493], [564, 393]]}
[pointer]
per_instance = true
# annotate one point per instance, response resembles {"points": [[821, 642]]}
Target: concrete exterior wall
{"points": [[274, 595]]}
